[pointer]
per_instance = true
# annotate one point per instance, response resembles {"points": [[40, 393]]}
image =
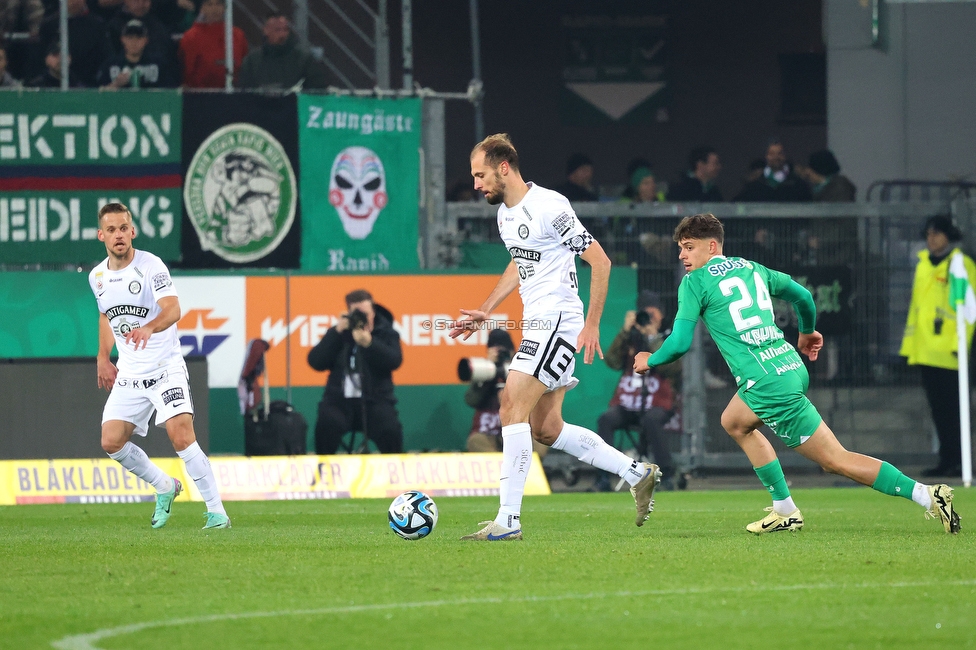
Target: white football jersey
{"points": [[544, 236], [128, 298]]}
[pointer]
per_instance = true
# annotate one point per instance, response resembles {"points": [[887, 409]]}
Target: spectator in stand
{"points": [[136, 67], [778, 182], [632, 166], [88, 41], [643, 186], [51, 77], [826, 181], [698, 183], [6, 81], [579, 179], [160, 38], [24, 57], [202, 48], [21, 16], [281, 63], [621, 242], [826, 241]]}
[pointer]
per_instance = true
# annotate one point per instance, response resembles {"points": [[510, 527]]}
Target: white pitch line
{"points": [[88, 641]]}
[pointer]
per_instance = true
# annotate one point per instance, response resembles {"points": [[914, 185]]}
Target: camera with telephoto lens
{"points": [[357, 319], [636, 338], [477, 370]]}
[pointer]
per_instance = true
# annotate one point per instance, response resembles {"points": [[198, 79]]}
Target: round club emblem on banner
{"points": [[357, 190], [240, 193]]}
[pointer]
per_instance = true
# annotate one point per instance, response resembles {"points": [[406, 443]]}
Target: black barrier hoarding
{"points": [[832, 291], [52, 408], [240, 191]]}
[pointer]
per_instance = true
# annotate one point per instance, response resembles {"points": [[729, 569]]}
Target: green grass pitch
{"points": [[867, 571]]}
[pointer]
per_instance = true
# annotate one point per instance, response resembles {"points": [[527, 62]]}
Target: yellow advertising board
{"points": [[266, 478], [96, 480], [450, 475], [269, 478]]}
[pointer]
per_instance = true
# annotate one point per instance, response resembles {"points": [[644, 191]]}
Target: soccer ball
{"points": [[413, 515]]}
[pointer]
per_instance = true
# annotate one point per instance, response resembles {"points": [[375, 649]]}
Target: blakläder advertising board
{"points": [[102, 480], [64, 155]]}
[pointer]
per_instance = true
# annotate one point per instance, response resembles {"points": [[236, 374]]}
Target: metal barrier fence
{"points": [[858, 259]]}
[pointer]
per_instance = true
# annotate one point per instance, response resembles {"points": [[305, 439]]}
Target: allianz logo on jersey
{"points": [[414, 329], [200, 332]]}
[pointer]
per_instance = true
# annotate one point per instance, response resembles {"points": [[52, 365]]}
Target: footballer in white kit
{"points": [[139, 310], [544, 237], [152, 378]]}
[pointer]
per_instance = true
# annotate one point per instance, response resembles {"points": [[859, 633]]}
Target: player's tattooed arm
{"points": [[168, 316], [106, 370]]}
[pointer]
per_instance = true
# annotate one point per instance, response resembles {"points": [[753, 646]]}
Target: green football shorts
{"points": [[781, 403]]}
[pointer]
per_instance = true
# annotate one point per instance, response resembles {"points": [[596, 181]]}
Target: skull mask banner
{"points": [[357, 190], [360, 162]]}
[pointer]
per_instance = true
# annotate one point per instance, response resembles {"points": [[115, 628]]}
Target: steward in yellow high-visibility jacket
{"points": [[930, 333], [930, 340]]}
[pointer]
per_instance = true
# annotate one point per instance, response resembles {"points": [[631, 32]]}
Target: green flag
{"points": [[961, 295], [360, 171]]}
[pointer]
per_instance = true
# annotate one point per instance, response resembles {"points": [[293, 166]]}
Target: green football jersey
{"points": [[734, 298]]}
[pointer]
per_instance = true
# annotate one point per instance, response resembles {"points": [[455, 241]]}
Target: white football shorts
{"points": [[548, 349], [134, 398]]}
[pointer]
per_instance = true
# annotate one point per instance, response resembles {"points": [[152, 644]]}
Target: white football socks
{"points": [[198, 468], [784, 507], [593, 450], [516, 459], [134, 459], [921, 496]]}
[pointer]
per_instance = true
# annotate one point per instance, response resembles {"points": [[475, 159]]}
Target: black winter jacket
{"points": [[376, 363]]}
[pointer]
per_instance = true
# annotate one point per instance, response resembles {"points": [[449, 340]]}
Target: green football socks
{"points": [[892, 482], [771, 475]]}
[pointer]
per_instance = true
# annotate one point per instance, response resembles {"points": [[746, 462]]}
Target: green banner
{"points": [[360, 171], [47, 314], [64, 155]]}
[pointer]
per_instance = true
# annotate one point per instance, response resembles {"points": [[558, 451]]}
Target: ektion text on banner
{"points": [[64, 155]]}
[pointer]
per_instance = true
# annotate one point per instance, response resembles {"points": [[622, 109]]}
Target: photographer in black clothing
{"points": [[645, 401], [361, 352]]}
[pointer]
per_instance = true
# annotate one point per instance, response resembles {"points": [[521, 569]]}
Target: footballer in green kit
{"points": [[733, 296]]}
